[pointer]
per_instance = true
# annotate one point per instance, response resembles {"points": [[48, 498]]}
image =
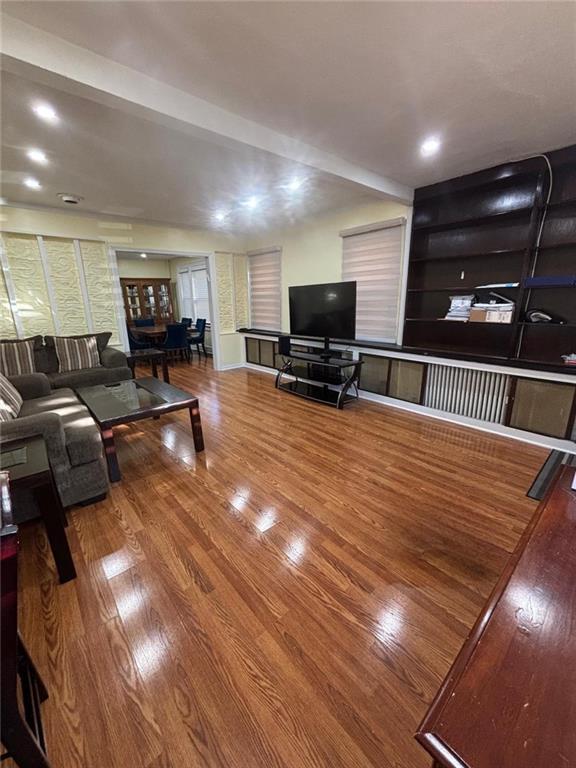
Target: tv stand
{"points": [[326, 353], [320, 377]]}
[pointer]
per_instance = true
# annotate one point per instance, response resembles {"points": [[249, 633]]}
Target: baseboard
{"points": [[233, 367], [543, 441]]}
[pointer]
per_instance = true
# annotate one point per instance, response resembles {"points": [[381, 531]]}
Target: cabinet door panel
{"points": [[545, 407], [406, 379], [374, 374]]}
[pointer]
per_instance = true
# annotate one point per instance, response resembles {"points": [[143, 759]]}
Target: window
{"points": [[264, 270], [372, 256], [194, 292]]}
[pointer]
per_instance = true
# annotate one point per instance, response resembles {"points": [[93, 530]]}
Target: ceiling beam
{"points": [[100, 79]]}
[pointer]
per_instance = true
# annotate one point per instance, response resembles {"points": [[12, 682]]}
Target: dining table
{"points": [[154, 332]]}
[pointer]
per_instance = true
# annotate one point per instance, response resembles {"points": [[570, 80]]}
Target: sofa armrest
{"points": [[46, 425], [31, 385], [113, 358]]}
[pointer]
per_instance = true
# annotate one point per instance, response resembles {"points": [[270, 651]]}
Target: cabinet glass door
{"points": [[149, 309], [164, 304], [132, 300]]}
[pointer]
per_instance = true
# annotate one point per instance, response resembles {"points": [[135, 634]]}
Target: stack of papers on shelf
{"points": [[460, 308], [508, 307]]}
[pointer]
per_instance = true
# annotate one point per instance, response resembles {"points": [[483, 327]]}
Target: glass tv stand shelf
{"points": [[315, 377]]}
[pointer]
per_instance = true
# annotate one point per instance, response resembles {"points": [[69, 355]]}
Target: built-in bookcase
{"points": [[483, 229]]}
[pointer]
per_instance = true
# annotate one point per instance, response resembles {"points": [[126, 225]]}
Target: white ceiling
{"points": [[364, 81], [128, 166]]}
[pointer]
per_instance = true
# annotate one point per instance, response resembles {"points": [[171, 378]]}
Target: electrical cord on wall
{"points": [[538, 236]]}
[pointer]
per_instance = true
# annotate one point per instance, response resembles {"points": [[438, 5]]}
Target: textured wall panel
{"points": [[241, 290], [225, 291], [100, 288], [7, 326], [65, 282], [33, 303]]}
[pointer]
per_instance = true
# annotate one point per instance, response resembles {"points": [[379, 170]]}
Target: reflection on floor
{"points": [[292, 597]]}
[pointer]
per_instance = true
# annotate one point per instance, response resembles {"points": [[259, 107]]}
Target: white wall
{"points": [[144, 268]]}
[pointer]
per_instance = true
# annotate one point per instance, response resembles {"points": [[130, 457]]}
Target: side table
{"points": [[34, 474], [152, 356]]}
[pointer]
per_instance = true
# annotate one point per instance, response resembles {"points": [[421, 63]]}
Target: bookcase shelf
{"points": [[472, 222], [497, 252]]}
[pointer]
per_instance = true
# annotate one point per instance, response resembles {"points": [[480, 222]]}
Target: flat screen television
{"points": [[327, 310]]}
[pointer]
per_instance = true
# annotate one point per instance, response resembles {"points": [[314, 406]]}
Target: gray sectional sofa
{"points": [[72, 438], [51, 409]]}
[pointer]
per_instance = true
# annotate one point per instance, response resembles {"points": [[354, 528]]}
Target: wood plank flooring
{"points": [[291, 598]]}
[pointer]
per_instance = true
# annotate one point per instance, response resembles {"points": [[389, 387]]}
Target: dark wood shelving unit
{"points": [[482, 229]]}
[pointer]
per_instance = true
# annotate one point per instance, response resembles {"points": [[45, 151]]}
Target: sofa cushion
{"points": [[82, 436], [89, 377], [102, 339], [17, 355], [76, 354], [10, 400]]}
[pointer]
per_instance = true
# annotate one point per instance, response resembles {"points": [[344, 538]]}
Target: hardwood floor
{"points": [[292, 597]]}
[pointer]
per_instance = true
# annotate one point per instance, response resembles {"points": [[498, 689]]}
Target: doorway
{"points": [[188, 277]]}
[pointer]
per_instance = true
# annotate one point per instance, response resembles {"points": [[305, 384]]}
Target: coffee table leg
{"points": [[52, 514], [154, 369], [197, 428], [165, 373], [110, 453]]}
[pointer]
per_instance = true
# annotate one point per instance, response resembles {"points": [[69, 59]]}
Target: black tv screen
{"points": [[327, 310]]}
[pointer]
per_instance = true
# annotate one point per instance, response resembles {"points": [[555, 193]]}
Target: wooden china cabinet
{"points": [[147, 298]]}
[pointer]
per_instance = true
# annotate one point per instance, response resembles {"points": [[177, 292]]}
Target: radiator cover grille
{"points": [[467, 392]]}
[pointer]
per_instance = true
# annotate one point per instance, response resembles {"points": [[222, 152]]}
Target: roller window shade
{"points": [[374, 260], [264, 271], [200, 293]]}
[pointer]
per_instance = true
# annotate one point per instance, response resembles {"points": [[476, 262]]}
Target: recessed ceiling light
{"points": [[219, 216], [46, 112], [32, 183], [430, 146], [37, 156], [252, 203], [295, 185], [143, 255]]}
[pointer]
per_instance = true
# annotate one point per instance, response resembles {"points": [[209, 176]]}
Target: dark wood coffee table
{"points": [[126, 401]]}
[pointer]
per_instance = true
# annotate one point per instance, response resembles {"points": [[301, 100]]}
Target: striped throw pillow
{"points": [[75, 354], [17, 357], [10, 400]]}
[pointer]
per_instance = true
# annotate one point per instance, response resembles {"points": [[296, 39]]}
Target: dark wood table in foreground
{"points": [[509, 700], [127, 401], [35, 476]]}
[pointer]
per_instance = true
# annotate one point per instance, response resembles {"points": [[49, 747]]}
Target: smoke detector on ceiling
{"points": [[70, 199]]}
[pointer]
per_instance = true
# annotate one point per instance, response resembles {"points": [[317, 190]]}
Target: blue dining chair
{"points": [[187, 321], [144, 322], [136, 343], [198, 337], [176, 340]]}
